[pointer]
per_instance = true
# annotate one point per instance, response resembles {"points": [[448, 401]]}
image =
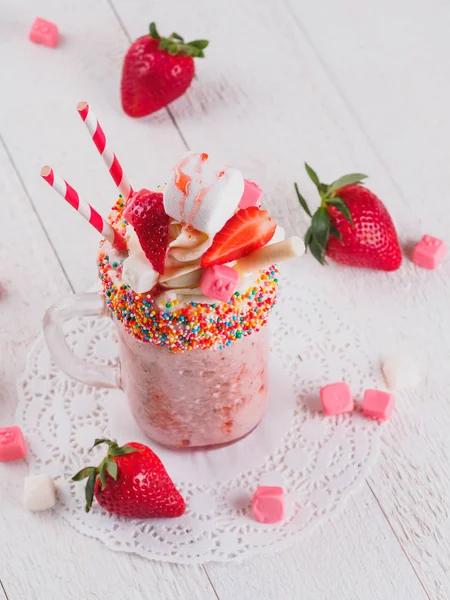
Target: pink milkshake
{"points": [[190, 286]]}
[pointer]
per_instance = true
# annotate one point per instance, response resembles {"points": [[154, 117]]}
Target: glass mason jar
{"points": [[200, 397]]}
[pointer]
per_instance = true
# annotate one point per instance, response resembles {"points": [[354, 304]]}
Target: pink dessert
{"points": [[190, 279], [193, 339], [200, 397]]}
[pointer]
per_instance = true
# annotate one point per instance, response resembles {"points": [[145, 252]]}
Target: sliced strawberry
{"points": [[145, 212], [246, 231]]}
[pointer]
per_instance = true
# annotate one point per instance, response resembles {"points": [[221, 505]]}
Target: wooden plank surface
{"points": [[267, 97], [44, 557], [399, 92], [48, 130]]}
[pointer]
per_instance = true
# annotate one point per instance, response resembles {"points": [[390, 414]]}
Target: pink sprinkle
{"points": [[378, 405], [336, 399], [268, 504], [12, 444], [429, 252], [44, 32]]}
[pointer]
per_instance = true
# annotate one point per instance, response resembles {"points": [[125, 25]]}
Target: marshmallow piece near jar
{"points": [[203, 194], [138, 273], [400, 372], [39, 492]]}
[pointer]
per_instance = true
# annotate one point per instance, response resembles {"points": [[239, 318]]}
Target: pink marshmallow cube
{"points": [[252, 195], [336, 399], [429, 252], [268, 504], [219, 282], [44, 32], [378, 405], [12, 444]]}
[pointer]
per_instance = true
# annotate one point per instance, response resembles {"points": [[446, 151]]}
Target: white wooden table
{"points": [[346, 85]]}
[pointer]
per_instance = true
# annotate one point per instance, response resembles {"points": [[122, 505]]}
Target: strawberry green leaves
{"points": [[342, 207], [346, 180], [320, 230], [302, 201], [317, 236], [89, 492], [312, 175], [175, 44], [107, 466]]}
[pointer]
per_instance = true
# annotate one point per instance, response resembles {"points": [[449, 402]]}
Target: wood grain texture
{"points": [[265, 99], [42, 557], [398, 89], [351, 558], [276, 104], [3, 595], [48, 130]]}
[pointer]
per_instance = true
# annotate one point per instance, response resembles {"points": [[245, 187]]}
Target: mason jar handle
{"points": [[81, 305]]}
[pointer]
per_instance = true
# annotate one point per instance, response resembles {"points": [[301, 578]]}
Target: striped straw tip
{"points": [[45, 171], [82, 108]]}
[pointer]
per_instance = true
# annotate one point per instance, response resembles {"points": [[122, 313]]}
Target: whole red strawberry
{"points": [[145, 212], [131, 482], [352, 226], [157, 70]]}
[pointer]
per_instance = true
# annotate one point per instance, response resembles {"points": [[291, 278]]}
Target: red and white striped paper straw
{"points": [[99, 139], [85, 209]]}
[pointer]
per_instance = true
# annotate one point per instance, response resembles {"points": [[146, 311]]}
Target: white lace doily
{"points": [[318, 460]]}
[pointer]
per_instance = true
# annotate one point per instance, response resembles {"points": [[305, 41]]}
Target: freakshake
{"points": [[193, 296], [189, 275]]}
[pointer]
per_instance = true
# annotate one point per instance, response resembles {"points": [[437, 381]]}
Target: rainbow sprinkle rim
{"points": [[195, 326]]}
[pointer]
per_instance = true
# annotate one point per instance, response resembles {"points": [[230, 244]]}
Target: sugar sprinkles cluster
{"points": [[195, 326]]}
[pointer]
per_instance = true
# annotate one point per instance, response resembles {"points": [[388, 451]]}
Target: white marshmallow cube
{"points": [[400, 372], [39, 492], [203, 194], [138, 273]]}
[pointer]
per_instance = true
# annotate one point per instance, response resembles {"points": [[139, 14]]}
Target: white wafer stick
{"points": [[271, 254]]}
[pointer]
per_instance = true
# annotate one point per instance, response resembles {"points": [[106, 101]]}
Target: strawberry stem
{"points": [[317, 235], [175, 44]]}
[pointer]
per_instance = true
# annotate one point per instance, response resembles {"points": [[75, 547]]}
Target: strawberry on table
{"points": [[131, 482], [352, 226], [145, 212], [246, 231], [157, 70]]}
